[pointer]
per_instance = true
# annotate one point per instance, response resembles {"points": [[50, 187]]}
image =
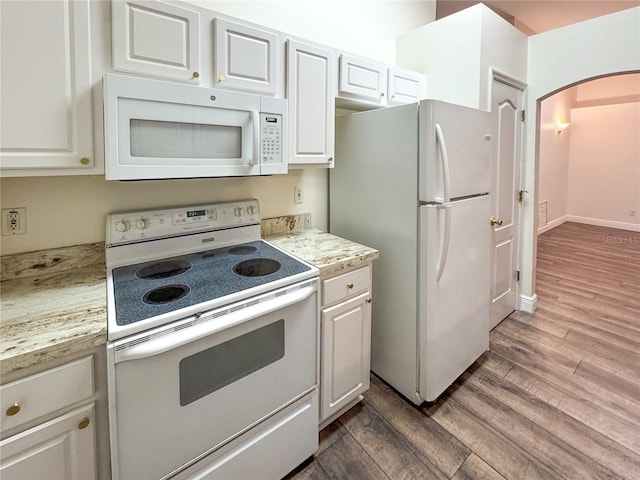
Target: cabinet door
{"points": [[61, 448], [46, 115], [155, 38], [245, 58], [311, 95], [362, 79], [346, 346], [406, 86]]}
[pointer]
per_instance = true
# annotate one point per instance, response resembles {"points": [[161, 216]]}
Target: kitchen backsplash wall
{"points": [[64, 211]]}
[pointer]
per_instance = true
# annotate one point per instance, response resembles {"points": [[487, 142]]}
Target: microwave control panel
{"points": [[270, 138]]}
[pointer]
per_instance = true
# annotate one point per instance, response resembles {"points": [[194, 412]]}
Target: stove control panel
{"points": [[126, 227]]}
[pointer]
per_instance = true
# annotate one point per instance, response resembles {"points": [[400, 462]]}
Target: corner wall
{"points": [[558, 59]]}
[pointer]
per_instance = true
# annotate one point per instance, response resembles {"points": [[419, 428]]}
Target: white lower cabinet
{"points": [[63, 448], [48, 424], [346, 342]]}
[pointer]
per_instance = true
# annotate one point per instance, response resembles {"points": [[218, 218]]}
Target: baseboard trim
{"points": [[633, 227], [528, 304], [552, 224]]}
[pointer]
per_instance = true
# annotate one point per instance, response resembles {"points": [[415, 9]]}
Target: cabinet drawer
{"points": [[32, 397], [346, 285]]}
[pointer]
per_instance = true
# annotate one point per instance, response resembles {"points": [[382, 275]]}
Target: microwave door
{"points": [[168, 140]]}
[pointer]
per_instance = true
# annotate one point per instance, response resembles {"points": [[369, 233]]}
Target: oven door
{"points": [[175, 397]]}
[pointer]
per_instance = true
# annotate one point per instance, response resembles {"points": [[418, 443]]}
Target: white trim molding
{"points": [[553, 224], [634, 227], [528, 304]]}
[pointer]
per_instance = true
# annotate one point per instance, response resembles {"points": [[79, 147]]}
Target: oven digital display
{"points": [[195, 213]]}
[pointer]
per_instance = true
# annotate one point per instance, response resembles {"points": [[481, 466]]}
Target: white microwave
{"points": [[156, 129]]}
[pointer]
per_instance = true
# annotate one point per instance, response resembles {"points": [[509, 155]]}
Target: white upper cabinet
{"points": [[311, 96], [157, 39], [46, 121], [246, 58], [362, 79], [405, 86]]}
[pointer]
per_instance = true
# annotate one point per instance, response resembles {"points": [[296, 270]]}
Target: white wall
{"points": [[557, 59], [553, 178], [458, 52], [71, 210], [604, 166]]}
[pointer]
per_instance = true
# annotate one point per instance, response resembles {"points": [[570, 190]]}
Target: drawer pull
{"points": [[349, 285], [84, 423], [13, 409], [368, 300], [196, 75]]}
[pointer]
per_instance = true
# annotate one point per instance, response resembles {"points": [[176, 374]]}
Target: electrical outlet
{"points": [[297, 195], [633, 213], [14, 221]]}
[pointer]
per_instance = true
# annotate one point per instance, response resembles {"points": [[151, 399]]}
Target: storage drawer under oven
{"points": [[189, 392]]}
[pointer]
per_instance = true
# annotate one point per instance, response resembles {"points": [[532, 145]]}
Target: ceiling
{"points": [[537, 16]]}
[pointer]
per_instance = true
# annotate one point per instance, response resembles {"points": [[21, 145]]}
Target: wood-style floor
{"points": [[556, 396]]}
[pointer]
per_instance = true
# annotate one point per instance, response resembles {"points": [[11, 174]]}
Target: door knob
{"points": [[495, 221]]}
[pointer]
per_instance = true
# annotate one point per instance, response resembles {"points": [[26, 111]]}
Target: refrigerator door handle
{"points": [[444, 249], [444, 157]]}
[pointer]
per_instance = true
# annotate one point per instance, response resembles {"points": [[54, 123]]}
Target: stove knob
{"points": [[251, 210], [142, 223], [122, 226], [237, 211]]}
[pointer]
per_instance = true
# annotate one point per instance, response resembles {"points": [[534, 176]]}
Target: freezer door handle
{"points": [[444, 248], [444, 158]]}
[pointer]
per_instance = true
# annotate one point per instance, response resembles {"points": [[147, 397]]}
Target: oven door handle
{"points": [[172, 340]]}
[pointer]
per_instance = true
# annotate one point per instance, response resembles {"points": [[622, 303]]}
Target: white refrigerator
{"points": [[413, 182]]}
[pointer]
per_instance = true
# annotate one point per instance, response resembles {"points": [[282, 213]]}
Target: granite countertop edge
{"points": [[37, 306]]}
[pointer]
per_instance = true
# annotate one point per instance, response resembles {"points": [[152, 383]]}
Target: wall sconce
{"points": [[561, 126]]}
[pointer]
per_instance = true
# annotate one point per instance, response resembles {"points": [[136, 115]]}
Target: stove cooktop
{"points": [[145, 290]]}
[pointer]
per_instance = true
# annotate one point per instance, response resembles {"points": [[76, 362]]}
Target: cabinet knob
{"points": [[222, 78], [495, 221], [196, 75], [85, 161], [349, 285], [84, 423], [368, 300], [393, 97], [330, 159], [13, 409]]}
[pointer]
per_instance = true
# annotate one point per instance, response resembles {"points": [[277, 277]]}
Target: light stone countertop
{"points": [[331, 254], [53, 302]]}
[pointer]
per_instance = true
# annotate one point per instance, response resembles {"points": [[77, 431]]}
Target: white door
{"points": [[453, 290], [64, 447], [155, 38], [246, 58], [362, 79], [46, 120], [346, 350], [506, 110], [311, 96], [405, 86]]}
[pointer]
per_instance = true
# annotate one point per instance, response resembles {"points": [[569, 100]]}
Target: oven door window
{"points": [[214, 368]]}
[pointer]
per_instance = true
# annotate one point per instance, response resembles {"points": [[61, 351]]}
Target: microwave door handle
{"points": [[255, 120], [182, 337]]}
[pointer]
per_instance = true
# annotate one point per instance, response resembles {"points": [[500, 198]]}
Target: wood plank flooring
{"points": [[556, 396]]}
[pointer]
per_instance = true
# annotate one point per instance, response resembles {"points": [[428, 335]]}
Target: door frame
{"points": [[524, 304]]}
